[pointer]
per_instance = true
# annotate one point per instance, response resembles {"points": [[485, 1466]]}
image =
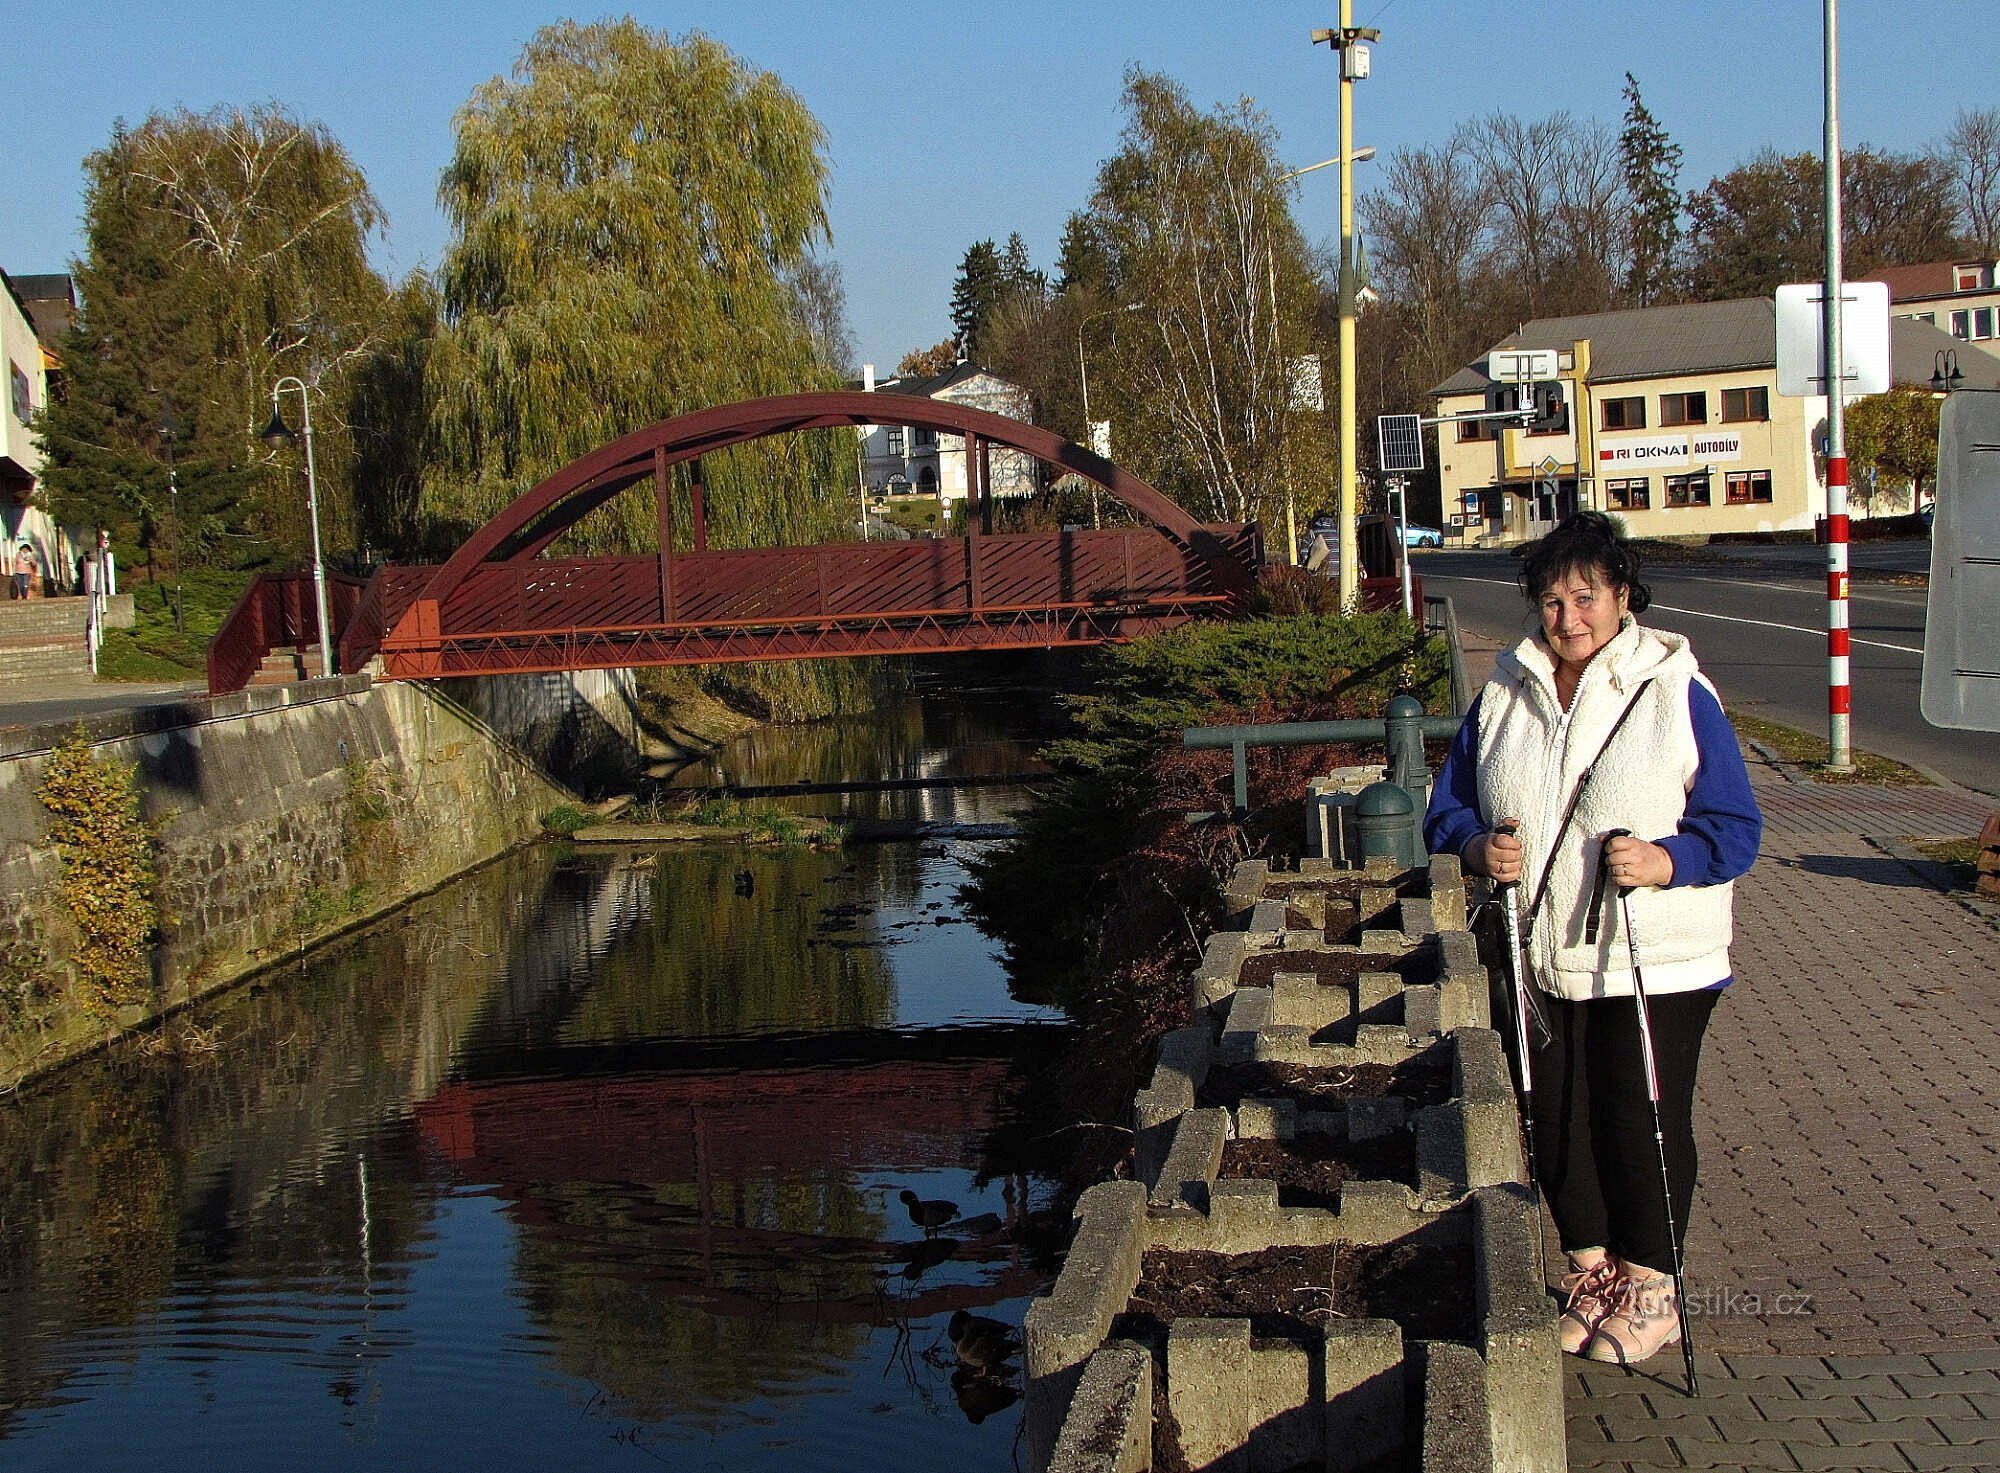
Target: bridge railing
{"points": [[277, 611]]}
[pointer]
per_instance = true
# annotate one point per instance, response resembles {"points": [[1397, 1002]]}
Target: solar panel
{"points": [[1400, 439]]}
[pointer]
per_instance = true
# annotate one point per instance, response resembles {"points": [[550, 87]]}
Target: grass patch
{"points": [[917, 515], [1959, 856], [1809, 752], [157, 647], [565, 819]]}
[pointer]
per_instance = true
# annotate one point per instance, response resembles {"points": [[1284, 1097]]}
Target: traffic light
{"points": [[1550, 412]]}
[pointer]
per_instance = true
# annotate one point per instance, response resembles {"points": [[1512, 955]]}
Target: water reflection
{"points": [[581, 1160]]}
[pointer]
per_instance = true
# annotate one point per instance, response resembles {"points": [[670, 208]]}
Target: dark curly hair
{"points": [[1583, 542]]}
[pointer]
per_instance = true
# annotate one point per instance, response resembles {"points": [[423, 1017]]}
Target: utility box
{"points": [[1961, 683]]}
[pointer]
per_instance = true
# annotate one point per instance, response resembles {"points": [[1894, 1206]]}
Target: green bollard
{"points": [[1386, 819]]}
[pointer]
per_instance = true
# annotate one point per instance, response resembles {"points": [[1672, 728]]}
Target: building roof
{"points": [[1698, 337], [1927, 279], [1647, 342], [48, 302]]}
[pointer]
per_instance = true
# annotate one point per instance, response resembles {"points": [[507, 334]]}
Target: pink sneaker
{"points": [[1591, 1293], [1645, 1319]]}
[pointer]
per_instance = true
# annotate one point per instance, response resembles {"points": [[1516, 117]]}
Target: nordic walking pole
{"points": [[1514, 971], [1659, 1135]]}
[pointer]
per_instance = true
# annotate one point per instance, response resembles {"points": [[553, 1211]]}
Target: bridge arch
{"points": [[526, 527]]}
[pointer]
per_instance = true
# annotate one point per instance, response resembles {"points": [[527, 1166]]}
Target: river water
{"points": [[590, 1160]]}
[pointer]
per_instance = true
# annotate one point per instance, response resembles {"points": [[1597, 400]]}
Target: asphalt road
{"points": [[1758, 625]]}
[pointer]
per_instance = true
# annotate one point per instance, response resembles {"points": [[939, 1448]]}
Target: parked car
{"points": [[1420, 536]]}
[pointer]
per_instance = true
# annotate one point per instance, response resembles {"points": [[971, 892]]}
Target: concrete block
{"points": [[1378, 940], [1221, 962], [1447, 890], [1208, 1391], [1063, 1329], [1368, 1119], [1298, 1001], [1382, 1043], [1372, 989], [1458, 951], [1267, 1120], [1249, 1014], [1286, 1421], [1185, 1054], [1423, 1012], [1490, 1117], [1377, 1212], [1109, 1428], [1376, 902], [1266, 926], [1416, 916], [1193, 1161], [1440, 1141], [1363, 1416], [1245, 889], [1517, 1334], [1316, 867], [1465, 999], [1457, 1415], [1311, 905]]}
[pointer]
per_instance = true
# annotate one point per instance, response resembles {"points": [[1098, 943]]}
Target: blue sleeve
{"points": [[1453, 819], [1717, 837]]}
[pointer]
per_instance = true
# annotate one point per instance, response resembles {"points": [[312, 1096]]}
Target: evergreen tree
{"points": [[1652, 168], [980, 286], [629, 214], [1083, 263], [1018, 276], [223, 251]]}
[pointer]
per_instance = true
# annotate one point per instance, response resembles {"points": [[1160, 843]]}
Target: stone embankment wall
{"points": [[281, 817], [1331, 974]]}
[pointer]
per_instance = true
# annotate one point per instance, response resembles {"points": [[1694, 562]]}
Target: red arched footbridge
{"points": [[501, 606]]}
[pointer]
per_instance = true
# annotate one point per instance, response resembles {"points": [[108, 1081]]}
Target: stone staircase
{"points": [[43, 638]]}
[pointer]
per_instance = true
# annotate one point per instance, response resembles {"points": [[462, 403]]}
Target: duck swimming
{"points": [[982, 1344]]}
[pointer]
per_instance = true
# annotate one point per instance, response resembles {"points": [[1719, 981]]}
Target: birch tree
{"points": [[1193, 220]]}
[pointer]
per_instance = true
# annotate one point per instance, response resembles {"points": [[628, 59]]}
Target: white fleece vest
{"points": [[1531, 756]]}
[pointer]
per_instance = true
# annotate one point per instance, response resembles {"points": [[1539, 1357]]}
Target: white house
{"points": [[28, 364], [901, 459], [1959, 297]]}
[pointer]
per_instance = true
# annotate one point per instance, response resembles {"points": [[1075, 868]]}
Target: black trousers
{"points": [[1595, 1156]]}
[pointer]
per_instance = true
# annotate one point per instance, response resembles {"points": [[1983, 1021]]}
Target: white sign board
{"points": [[1962, 628], [1522, 365], [1864, 339], [1708, 446]]}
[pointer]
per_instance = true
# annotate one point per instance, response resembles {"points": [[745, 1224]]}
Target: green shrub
{"points": [[565, 819]]}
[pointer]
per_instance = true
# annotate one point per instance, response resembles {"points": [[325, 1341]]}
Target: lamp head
{"points": [[277, 434]]}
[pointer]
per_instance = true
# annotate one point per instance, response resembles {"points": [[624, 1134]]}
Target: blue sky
{"points": [[948, 123]]}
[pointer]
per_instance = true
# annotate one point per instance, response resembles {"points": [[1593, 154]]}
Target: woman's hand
{"points": [[1496, 855], [1633, 862]]}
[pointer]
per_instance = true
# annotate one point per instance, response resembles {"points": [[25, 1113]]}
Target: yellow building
{"points": [[1674, 423]]}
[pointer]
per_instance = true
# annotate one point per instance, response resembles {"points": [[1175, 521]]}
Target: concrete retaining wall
{"points": [[283, 815], [1494, 1404]]}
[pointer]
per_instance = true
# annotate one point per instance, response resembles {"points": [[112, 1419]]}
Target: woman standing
{"points": [[1598, 752]]}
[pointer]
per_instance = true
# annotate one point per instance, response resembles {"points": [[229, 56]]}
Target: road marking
{"points": [[1874, 644], [1815, 589]]}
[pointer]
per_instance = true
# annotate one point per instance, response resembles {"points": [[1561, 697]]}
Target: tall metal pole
{"points": [[312, 502], [1350, 570], [1839, 692]]}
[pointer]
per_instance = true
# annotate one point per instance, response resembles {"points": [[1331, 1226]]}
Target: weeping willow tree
{"points": [[632, 218], [628, 213]]}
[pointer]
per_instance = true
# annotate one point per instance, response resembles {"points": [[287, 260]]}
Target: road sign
{"points": [[1962, 629], [1547, 466], [1400, 442], [1522, 365], [1864, 339]]}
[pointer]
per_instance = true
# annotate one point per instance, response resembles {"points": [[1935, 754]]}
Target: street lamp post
{"points": [[1083, 377], [1354, 65], [1946, 375], [277, 433], [1359, 156]]}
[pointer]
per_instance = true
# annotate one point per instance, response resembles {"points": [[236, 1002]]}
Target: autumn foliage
{"points": [[107, 871]]}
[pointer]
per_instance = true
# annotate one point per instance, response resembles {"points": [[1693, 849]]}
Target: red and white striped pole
{"points": [[1838, 692]]}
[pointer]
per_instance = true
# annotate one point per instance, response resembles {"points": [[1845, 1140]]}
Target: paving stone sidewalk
{"points": [[1845, 1247]]}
